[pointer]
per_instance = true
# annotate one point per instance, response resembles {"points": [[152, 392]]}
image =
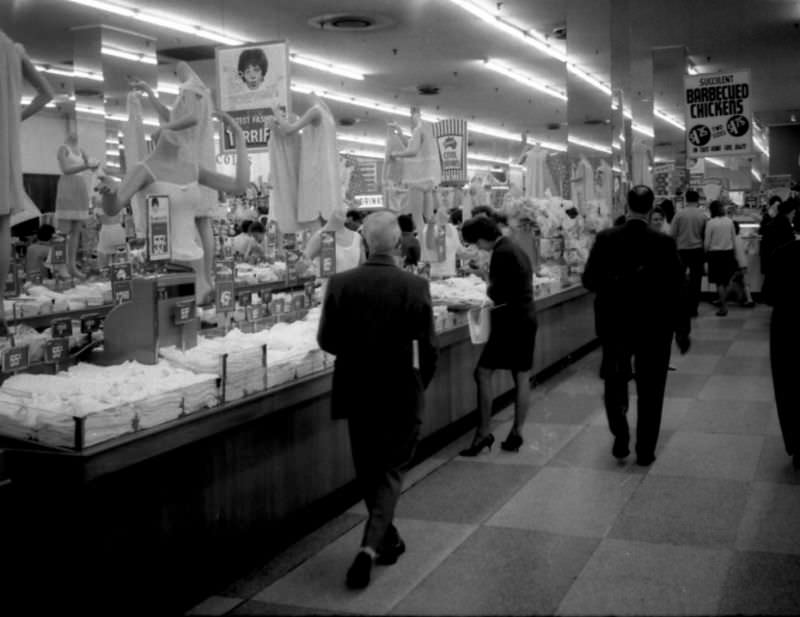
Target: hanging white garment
{"points": [[11, 191]]}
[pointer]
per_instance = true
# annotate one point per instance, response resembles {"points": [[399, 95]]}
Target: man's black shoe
{"points": [[359, 573], [645, 461], [388, 555], [620, 449]]}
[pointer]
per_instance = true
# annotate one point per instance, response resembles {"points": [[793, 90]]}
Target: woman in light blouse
{"points": [[720, 241]]}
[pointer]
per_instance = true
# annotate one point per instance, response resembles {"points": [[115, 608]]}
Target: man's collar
{"points": [[382, 260]]}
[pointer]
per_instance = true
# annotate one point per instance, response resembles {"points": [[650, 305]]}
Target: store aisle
{"points": [[710, 528]]}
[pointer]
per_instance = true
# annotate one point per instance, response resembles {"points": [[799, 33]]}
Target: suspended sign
{"points": [[451, 137], [253, 85], [718, 114], [158, 228]]}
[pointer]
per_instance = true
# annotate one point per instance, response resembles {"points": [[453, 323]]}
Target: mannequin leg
{"points": [[5, 260], [206, 232], [73, 240], [416, 201]]}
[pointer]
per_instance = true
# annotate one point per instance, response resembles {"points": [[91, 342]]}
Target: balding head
{"points": [[382, 232]]}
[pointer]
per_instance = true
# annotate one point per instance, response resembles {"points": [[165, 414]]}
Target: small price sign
{"points": [[327, 254], [35, 278], [12, 281], [184, 312], [298, 302], [246, 299], [15, 359], [225, 300], [56, 350], [254, 312], [105, 272], [272, 235], [291, 268], [62, 328], [122, 283], [289, 242], [277, 306], [58, 252], [91, 323], [158, 228]]}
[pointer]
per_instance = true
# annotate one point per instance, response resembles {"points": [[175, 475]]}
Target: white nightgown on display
{"points": [[537, 176], [583, 187], [319, 186], [135, 151], [182, 200], [452, 243], [284, 161], [604, 182], [348, 257], [425, 168]]}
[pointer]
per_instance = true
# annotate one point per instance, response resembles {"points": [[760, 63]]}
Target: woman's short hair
{"points": [[480, 228], [668, 207], [785, 207], [253, 57], [245, 226], [658, 210], [775, 199], [716, 208], [406, 223]]}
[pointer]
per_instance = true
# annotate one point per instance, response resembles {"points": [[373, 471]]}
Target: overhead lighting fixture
{"points": [[112, 153], [525, 79], [589, 78], [760, 145], [112, 142], [493, 159], [616, 169], [588, 144], [662, 115], [67, 72], [616, 145], [128, 55], [363, 153], [643, 130], [626, 111], [111, 164], [164, 20], [328, 67], [27, 100], [756, 175], [361, 139], [530, 37], [90, 110], [715, 161], [168, 89], [691, 68]]}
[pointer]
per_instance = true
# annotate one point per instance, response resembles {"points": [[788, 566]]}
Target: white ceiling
{"points": [[435, 42]]}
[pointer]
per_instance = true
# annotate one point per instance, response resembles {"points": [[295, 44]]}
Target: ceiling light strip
{"points": [[129, 55], [530, 37], [643, 130], [66, 72], [662, 115], [588, 144], [525, 79], [362, 139], [326, 66], [756, 175], [760, 145], [589, 78], [157, 18], [715, 161]]}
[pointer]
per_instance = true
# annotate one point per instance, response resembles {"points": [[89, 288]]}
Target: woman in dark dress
{"points": [[513, 329], [782, 290]]}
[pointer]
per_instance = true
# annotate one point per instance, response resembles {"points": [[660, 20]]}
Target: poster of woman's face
{"points": [[253, 76]]}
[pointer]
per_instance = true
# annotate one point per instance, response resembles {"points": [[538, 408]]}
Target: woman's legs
{"points": [[522, 384], [206, 232], [722, 292], [483, 377], [73, 241]]}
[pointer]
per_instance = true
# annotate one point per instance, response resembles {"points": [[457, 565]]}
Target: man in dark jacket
{"points": [[378, 322], [777, 233], [641, 302]]}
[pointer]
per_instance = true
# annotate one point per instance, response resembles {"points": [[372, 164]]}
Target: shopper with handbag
{"points": [[513, 329]]}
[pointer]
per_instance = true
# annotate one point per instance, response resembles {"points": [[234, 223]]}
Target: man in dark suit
{"points": [[378, 322], [640, 304]]}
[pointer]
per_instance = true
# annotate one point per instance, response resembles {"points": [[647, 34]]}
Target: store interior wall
{"points": [[784, 150]]}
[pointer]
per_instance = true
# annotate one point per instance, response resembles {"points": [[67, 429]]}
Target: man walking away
{"points": [[379, 378], [640, 303], [688, 229]]}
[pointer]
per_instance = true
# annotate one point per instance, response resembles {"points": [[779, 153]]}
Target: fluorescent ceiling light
{"points": [[111, 141], [328, 67], [662, 115], [27, 100], [714, 161], [530, 37], [361, 139], [363, 153], [616, 145], [756, 175], [616, 169], [111, 164], [760, 145], [525, 79], [66, 72], [588, 78], [128, 55], [626, 111], [90, 110], [643, 130], [168, 89], [112, 153], [165, 20], [588, 144]]}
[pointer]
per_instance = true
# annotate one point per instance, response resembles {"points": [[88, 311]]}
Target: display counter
{"points": [[187, 504]]}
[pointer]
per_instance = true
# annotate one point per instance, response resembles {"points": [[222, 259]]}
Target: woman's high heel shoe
{"points": [[512, 443], [478, 445]]}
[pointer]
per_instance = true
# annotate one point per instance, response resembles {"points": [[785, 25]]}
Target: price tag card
{"points": [[122, 283], [159, 247], [56, 350], [15, 359], [272, 235], [327, 254], [61, 328], [292, 277], [184, 312], [130, 228], [309, 289], [298, 302], [441, 243], [245, 299], [289, 242], [58, 252], [35, 278], [91, 323], [254, 312], [277, 306], [105, 272], [225, 301]]}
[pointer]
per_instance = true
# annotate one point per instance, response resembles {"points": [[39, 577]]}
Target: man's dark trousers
{"points": [[694, 261]]}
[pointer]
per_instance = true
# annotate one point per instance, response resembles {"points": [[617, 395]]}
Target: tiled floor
{"points": [[563, 528]]}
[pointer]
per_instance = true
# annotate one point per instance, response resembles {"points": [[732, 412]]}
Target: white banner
{"points": [[718, 114]]}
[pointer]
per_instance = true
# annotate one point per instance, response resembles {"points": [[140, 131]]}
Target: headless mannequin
{"points": [[166, 165], [44, 94]]}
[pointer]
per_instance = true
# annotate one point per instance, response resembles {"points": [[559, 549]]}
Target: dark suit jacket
{"points": [[776, 234], [640, 284], [370, 317]]}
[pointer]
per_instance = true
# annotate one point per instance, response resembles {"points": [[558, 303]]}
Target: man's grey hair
{"points": [[382, 232]]}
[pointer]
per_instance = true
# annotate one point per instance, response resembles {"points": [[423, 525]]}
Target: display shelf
{"points": [[44, 321]]}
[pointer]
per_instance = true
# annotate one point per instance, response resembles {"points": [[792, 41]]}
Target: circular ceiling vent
{"points": [[559, 33], [595, 121], [553, 126], [349, 22], [87, 92], [427, 89], [347, 121]]}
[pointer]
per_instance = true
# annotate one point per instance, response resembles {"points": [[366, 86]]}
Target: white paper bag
{"points": [[479, 322]]}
